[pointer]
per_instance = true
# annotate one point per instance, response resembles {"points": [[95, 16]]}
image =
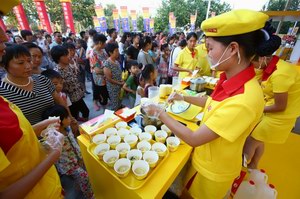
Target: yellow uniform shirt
{"points": [[20, 152], [204, 69], [187, 60], [279, 77], [232, 112]]}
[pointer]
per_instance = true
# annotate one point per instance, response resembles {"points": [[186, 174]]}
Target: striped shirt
{"points": [[32, 103]]}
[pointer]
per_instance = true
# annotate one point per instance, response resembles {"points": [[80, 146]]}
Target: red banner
{"points": [[21, 17], [2, 25], [67, 9], [42, 12]]}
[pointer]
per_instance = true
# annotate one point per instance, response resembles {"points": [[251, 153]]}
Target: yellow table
{"points": [[105, 186]]}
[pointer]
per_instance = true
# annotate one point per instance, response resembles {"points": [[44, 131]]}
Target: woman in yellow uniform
{"points": [[280, 82], [187, 60], [231, 112], [204, 69]]}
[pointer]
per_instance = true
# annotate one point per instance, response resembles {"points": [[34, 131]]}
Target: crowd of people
{"points": [[44, 75]]}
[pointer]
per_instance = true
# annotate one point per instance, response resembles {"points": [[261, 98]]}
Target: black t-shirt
{"points": [[133, 52]]}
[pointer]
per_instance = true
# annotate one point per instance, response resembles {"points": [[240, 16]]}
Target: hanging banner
{"points": [[21, 17], [172, 23], [146, 17], [125, 20], [101, 17], [43, 16], [2, 25], [133, 20], [96, 24], [116, 19], [68, 15], [193, 21], [152, 25]]}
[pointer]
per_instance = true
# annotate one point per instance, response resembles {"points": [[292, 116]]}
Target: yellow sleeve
{"points": [[282, 82], [179, 59], [4, 162], [231, 120]]}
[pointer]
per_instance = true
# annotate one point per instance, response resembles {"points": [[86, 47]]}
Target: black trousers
{"points": [[79, 107], [100, 94]]}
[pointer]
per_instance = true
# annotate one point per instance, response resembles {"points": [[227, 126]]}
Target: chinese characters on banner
{"points": [[101, 17], [193, 21], [21, 17], [68, 15], [116, 19], [42, 13], [152, 25], [172, 23], [133, 20], [146, 16], [125, 20]]}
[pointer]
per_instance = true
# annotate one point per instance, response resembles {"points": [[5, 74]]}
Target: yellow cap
{"points": [[7, 6], [234, 22]]}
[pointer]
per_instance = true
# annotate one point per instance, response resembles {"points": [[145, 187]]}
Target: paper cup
{"points": [[144, 146], [173, 143], [98, 139], [160, 136], [122, 167], [123, 149], [134, 155], [123, 132], [131, 140], [150, 129], [136, 131], [110, 157], [101, 149], [120, 125], [110, 131], [140, 169], [160, 149], [151, 157], [113, 141], [145, 137], [181, 142], [165, 128]]}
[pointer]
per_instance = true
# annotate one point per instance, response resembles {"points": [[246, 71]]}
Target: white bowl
{"points": [[122, 167], [123, 132], [150, 129], [101, 149], [121, 125], [123, 149], [145, 137], [165, 128], [110, 157], [160, 136], [134, 155], [144, 146], [173, 143], [160, 149], [131, 140], [151, 157], [110, 131], [113, 141], [140, 169], [136, 131], [98, 139]]}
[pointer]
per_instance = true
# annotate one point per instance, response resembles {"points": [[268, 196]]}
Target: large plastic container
{"points": [[247, 190], [266, 191], [258, 176]]}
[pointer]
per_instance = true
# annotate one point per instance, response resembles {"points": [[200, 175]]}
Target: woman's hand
{"points": [[152, 110], [175, 96], [122, 83]]}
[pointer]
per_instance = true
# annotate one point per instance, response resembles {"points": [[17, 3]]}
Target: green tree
{"points": [[108, 12]]}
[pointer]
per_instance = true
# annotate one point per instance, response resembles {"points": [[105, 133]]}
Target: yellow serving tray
{"points": [[129, 181], [189, 114]]}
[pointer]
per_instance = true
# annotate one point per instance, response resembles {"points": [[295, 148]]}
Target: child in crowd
{"points": [[131, 83], [70, 162], [149, 74], [163, 64], [140, 89]]}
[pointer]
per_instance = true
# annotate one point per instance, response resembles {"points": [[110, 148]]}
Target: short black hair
{"points": [[111, 31], [99, 38], [110, 47], [8, 32], [192, 34], [31, 45], [146, 72], [82, 34], [18, 37], [56, 32], [56, 111], [92, 32], [133, 63], [71, 33], [182, 43], [144, 41], [51, 74], [47, 36], [69, 46], [164, 46], [57, 52], [14, 51], [25, 33]]}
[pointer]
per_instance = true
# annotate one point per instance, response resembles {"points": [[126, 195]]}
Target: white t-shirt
{"points": [[41, 43]]}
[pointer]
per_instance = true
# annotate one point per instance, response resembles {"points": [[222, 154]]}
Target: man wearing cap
{"points": [[25, 170], [230, 113]]}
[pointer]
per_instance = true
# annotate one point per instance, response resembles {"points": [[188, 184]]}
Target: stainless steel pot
{"points": [[150, 121], [197, 84]]}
